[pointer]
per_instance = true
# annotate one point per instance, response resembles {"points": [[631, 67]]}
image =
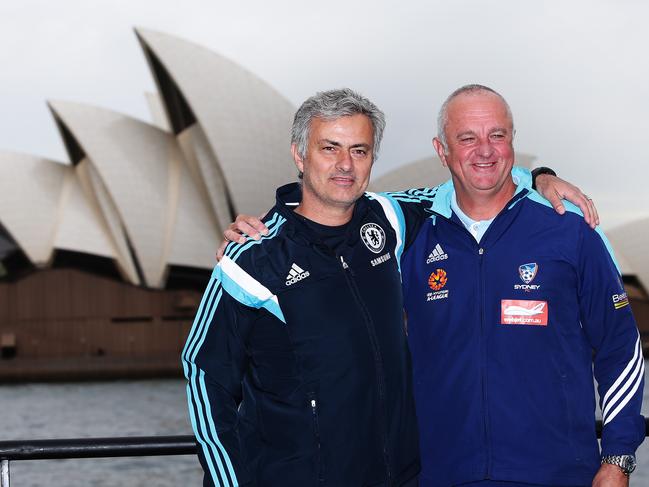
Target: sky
{"points": [[575, 72]]}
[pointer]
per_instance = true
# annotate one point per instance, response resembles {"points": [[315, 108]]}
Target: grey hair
{"points": [[442, 116], [330, 105]]}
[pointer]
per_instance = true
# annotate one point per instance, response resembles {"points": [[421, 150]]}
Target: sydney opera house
{"points": [[103, 256]]}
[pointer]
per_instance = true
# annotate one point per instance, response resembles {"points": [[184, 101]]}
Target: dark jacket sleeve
{"points": [[215, 362], [609, 324], [413, 207]]}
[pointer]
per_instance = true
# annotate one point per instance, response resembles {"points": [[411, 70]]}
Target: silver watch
{"points": [[626, 462]]}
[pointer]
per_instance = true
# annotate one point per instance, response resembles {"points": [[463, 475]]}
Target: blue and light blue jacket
{"points": [[505, 335], [297, 363]]}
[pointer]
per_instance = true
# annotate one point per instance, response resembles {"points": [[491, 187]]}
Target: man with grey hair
{"points": [[511, 310], [297, 363]]}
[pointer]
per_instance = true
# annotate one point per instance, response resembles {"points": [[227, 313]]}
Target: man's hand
{"points": [[555, 189], [610, 476], [242, 226]]}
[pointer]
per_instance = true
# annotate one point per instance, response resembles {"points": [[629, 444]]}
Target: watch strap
{"points": [[626, 462], [541, 170]]}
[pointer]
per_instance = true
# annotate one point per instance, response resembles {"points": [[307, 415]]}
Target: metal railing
{"points": [[139, 446]]}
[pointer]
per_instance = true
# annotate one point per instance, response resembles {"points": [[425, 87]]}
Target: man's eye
{"points": [[328, 148], [467, 140], [359, 152], [498, 136]]}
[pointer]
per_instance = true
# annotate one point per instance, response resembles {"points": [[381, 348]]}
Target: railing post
{"points": [[4, 474]]}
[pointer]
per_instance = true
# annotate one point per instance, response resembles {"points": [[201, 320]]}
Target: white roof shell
{"points": [[43, 207], [30, 192], [139, 178], [246, 122]]}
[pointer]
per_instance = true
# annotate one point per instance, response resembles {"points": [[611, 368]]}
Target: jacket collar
{"points": [[288, 197], [442, 203]]}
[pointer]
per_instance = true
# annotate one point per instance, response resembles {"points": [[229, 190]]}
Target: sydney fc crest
{"points": [[373, 237], [528, 272]]}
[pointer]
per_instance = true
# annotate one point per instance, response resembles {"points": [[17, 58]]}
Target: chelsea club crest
{"points": [[373, 237]]}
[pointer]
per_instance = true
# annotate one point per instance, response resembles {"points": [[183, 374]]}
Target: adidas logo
{"points": [[437, 254], [296, 274]]}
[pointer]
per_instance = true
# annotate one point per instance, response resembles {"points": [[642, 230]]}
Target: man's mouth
{"points": [[485, 165], [343, 180]]}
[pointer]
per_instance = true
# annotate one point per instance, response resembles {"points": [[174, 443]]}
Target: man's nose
{"points": [[485, 148], [345, 161]]}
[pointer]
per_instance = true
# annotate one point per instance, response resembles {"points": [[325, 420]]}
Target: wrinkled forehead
{"points": [[481, 107], [348, 127]]}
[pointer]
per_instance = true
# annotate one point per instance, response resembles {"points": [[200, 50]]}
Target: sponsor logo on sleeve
{"points": [[436, 281], [620, 300], [523, 312], [527, 273], [373, 237]]}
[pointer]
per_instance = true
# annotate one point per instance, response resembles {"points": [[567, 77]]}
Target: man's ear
{"points": [[299, 162], [441, 152]]}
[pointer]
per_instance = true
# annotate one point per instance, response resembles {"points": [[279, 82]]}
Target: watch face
{"points": [[629, 463]]}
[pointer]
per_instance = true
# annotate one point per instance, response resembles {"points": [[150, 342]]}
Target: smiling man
{"points": [[504, 349]]}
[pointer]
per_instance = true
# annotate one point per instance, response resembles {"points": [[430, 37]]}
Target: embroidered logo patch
{"points": [[620, 300], [380, 260], [373, 237], [527, 272], [296, 274], [436, 281], [436, 255], [523, 312]]}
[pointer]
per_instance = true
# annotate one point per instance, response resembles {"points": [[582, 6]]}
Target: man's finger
{"points": [[221, 251], [258, 225], [584, 206], [237, 236], [591, 213], [557, 204], [588, 209], [249, 225], [593, 210]]}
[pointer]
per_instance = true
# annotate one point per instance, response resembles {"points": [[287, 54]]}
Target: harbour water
{"points": [[129, 408], [102, 409]]}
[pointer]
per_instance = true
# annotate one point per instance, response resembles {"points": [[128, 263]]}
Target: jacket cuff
{"points": [[623, 436]]}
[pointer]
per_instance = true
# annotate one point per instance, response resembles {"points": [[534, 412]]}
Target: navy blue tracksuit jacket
{"points": [[505, 335], [297, 364]]}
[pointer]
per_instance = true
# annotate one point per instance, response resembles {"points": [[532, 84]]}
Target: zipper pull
{"points": [[313, 404], [344, 264], [480, 251]]}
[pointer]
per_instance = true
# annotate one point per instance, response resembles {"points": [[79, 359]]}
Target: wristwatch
{"points": [[626, 462], [541, 170]]}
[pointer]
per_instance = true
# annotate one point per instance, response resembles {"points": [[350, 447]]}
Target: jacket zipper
{"points": [[316, 431], [378, 362], [483, 347], [483, 365], [483, 331]]}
